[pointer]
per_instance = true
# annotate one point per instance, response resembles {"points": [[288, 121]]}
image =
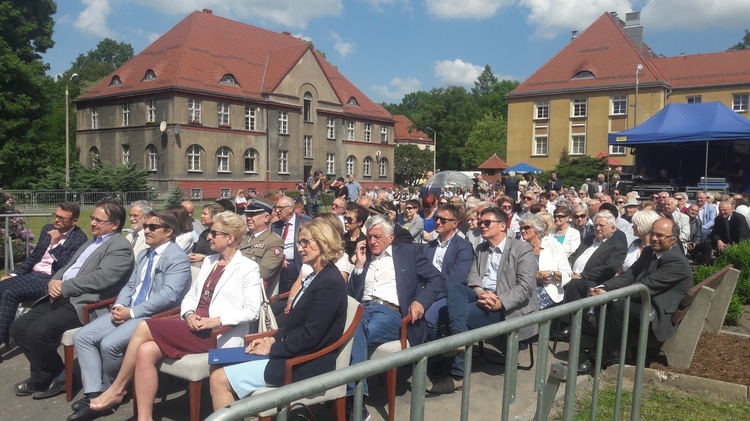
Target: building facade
{"points": [[215, 105]]}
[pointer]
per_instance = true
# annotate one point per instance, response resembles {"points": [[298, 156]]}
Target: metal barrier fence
{"points": [[545, 389], [8, 244], [36, 199]]}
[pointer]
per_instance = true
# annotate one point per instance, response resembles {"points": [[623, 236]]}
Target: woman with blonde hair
{"points": [[554, 269], [642, 222]]}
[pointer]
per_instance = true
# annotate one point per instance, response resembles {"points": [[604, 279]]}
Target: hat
{"points": [[258, 206], [632, 201], [382, 208]]}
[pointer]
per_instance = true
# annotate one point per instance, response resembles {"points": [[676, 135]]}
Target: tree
{"points": [[485, 82], [742, 45], [410, 163], [488, 137], [100, 176], [97, 64], [574, 171]]}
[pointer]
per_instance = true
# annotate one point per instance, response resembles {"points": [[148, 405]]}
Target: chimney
{"points": [[209, 11], [287, 33], [573, 35], [633, 29]]}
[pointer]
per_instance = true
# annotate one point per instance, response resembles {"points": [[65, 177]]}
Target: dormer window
{"points": [[115, 81], [150, 75], [229, 78], [584, 74], [352, 101]]}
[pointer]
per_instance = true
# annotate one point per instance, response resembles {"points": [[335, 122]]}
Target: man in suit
{"points": [[501, 286], [618, 185], [28, 281], [553, 184], [699, 248], [197, 225], [707, 213], [263, 246], [599, 186], [665, 270], [158, 283], [96, 272], [391, 281], [682, 220], [452, 255], [136, 236], [729, 228], [287, 227]]}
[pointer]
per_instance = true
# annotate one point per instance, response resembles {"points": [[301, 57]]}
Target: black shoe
{"points": [[55, 388], [86, 414], [84, 401], [23, 388], [586, 366], [564, 335], [609, 359]]}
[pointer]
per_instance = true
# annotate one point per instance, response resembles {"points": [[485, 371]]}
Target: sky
{"points": [[389, 48]]}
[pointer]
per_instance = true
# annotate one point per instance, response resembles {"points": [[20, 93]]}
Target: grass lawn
{"points": [[37, 223]]}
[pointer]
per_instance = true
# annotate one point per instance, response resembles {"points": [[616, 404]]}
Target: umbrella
{"points": [[448, 179], [523, 168]]}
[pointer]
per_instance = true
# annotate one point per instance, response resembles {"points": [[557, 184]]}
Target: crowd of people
{"points": [[450, 259]]}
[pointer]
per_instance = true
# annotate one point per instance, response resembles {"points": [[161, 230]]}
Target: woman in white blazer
{"points": [[569, 237], [554, 269], [225, 293]]}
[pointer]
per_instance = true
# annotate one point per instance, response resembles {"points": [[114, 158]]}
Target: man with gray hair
{"points": [[138, 211]]}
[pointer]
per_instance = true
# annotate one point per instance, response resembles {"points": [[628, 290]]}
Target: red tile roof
{"points": [[197, 52], [405, 131], [725, 68], [493, 163]]}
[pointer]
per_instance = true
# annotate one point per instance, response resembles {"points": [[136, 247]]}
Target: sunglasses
{"points": [[444, 220], [152, 227], [486, 222], [214, 233], [410, 208], [506, 207], [526, 228], [528, 198], [349, 220], [620, 202], [579, 216], [560, 216], [443, 203]]}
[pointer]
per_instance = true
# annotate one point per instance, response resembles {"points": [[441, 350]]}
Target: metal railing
{"points": [[8, 245], [37, 199], [281, 397]]}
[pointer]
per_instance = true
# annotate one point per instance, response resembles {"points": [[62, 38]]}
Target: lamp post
{"points": [[67, 134], [434, 148], [638, 68]]}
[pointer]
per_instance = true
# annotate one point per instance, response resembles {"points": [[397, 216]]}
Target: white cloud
{"points": [[153, 36], [457, 72], [551, 17], [380, 5], [93, 19], [344, 48], [303, 37], [288, 13], [397, 88], [694, 14], [466, 9]]}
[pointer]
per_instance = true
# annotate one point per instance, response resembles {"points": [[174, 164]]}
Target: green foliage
{"points": [[176, 196], [574, 171], [742, 45], [102, 176], [410, 163], [488, 137], [737, 255], [734, 312], [98, 63]]}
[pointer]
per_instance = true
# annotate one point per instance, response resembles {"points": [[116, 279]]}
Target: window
{"points": [[619, 105], [94, 155], [350, 130], [126, 154], [366, 165], [196, 194], [578, 145], [225, 193], [194, 158], [542, 110], [583, 74], [150, 75], [351, 163], [150, 111], [224, 115], [579, 108], [330, 163], [283, 122], [151, 157], [115, 81], [307, 107], [94, 118], [125, 115], [308, 147], [368, 132], [229, 79], [222, 159], [250, 118], [194, 111], [384, 134], [352, 101], [739, 102], [331, 128], [251, 161], [616, 150], [541, 146], [284, 162], [693, 99], [383, 167]]}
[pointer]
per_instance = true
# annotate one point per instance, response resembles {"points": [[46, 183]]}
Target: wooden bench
{"points": [[707, 303]]}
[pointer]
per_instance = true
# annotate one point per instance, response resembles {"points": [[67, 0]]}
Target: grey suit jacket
{"points": [[168, 286], [516, 283], [102, 275]]}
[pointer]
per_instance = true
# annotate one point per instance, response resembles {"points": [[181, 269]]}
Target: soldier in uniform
{"points": [[263, 246]]}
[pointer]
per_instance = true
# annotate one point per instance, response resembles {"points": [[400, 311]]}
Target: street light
{"points": [[638, 68], [434, 147], [67, 134]]}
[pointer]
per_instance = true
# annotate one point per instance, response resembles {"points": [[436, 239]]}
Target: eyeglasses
{"points": [[349, 220], [214, 233], [560, 216], [526, 227], [281, 207], [444, 220], [410, 208], [528, 198], [62, 218], [335, 206], [579, 216], [506, 207], [152, 227], [486, 222], [659, 236], [303, 242], [443, 203], [620, 202], [97, 221]]}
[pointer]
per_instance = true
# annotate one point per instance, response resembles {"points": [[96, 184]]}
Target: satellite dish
{"points": [[176, 129], [163, 126], [377, 153]]}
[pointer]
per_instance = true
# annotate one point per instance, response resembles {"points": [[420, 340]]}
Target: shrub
{"points": [[175, 196], [18, 234], [737, 255]]}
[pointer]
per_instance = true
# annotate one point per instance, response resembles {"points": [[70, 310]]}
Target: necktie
{"points": [[286, 231], [726, 228], [135, 238], [143, 293]]}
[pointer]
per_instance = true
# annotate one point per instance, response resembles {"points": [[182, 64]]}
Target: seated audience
{"points": [[202, 247], [412, 221], [474, 232], [184, 236], [699, 248], [642, 222], [428, 212], [729, 228], [554, 269], [580, 217], [262, 246], [355, 219], [138, 211], [567, 236], [629, 209], [682, 220]]}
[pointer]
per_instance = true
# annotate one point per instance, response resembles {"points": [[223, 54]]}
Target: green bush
{"points": [[737, 255], [734, 312]]}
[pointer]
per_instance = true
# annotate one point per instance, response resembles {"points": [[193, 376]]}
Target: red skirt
{"points": [[176, 340]]}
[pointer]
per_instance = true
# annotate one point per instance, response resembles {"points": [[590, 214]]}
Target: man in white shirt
{"points": [[138, 212], [287, 228]]}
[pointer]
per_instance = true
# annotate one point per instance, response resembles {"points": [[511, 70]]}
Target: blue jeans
{"points": [[312, 209], [379, 324], [464, 315]]}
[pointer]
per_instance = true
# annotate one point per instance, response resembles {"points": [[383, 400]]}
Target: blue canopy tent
{"points": [[523, 168], [676, 135]]}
